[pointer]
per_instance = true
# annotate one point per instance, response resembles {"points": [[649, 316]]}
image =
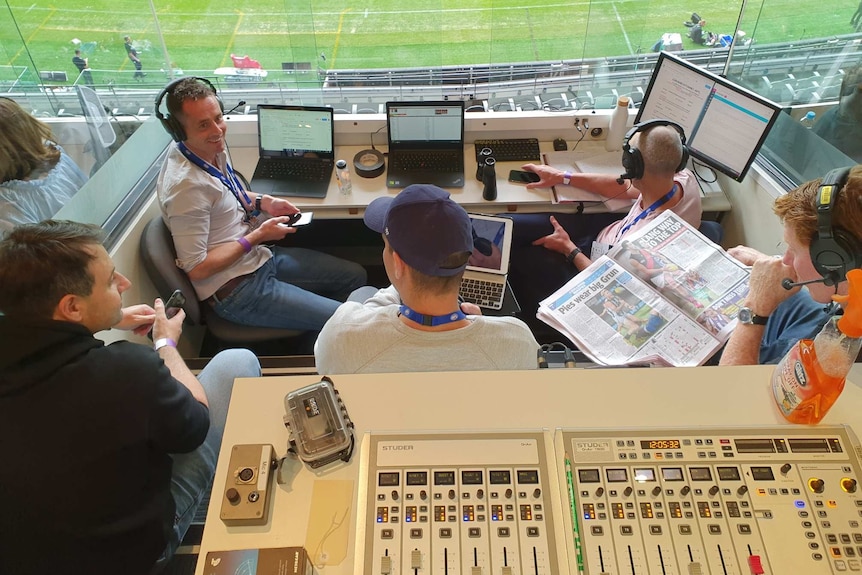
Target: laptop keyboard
{"points": [[437, 162], [296, 170], [510, 150], [482, 293]]}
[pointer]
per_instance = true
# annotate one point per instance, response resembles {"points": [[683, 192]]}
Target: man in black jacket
{"points": [[107, 449]]}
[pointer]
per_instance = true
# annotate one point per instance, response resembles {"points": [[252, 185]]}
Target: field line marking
{"points": [[622, 27], [233, 34], [30, 37], [338, 35]]}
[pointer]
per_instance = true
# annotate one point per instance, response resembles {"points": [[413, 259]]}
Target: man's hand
{"points": [[746, 255], [558, 241], [138, 319], [764, 285], [163, 327], [549, 176], [277, 206], [273, 229], [470, 308]]}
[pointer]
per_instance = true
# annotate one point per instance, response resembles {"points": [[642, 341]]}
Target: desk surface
{"points": [[510, 197], [596, 398]]}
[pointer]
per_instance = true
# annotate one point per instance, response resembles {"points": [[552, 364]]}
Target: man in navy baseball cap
{"points": [[417, 324]]}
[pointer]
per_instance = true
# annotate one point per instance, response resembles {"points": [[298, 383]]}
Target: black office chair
{"points": [[159, 257]]}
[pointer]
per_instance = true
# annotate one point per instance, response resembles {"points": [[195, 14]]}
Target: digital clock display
{"points": [[660, 444]]}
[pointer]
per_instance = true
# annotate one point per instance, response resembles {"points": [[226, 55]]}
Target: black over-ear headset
{"points": [[172, 125], [633, 160], [834, 251]]}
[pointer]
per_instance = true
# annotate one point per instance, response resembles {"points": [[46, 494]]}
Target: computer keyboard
{"points": [[300, 170], [510, 150], [482, 293]]}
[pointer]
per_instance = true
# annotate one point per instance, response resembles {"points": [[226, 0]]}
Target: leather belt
{"points": [[230, 286]]}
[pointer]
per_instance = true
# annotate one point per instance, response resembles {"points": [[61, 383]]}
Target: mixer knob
{"points": [[480, 494], [685, 490], [232, 495], [451, 494], [627, 491], [848, 485], [785, 468], [509, 493], [713, 490], [742, 490], [656, 490], [423, 495], [600, 491], [537, 493], [816, 485], [394, 495]]}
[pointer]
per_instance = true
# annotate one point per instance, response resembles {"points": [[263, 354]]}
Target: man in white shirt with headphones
{"points": [[654, 158], [220, 229], [823, 232]]}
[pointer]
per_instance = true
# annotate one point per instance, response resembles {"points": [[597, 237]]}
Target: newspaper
{"points": [[665, 295]]}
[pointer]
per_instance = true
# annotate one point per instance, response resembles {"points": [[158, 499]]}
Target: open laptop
{"points": [[426, 144], [484, 281], [297, 151]]}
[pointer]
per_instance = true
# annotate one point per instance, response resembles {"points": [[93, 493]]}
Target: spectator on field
{"points": [[37, 177], [83, 66]]}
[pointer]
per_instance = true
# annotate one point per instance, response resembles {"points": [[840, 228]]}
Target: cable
{"points": [[583, 131]]}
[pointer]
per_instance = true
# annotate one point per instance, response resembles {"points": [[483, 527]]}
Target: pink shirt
{"points": [[688, 208]]}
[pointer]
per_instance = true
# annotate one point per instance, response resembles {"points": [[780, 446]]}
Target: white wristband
{"points": [[567, 177], [162, 342]]}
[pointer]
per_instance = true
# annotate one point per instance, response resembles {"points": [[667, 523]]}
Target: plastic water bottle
{"points": [[618, 125], [808, 119], [342, 174]]}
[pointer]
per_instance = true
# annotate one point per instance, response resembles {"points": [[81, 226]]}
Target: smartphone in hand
{"points": [[174, 303], [298, 219], [523, 177]]}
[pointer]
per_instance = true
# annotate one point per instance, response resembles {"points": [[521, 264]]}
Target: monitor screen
{"points": [[724, 123]]}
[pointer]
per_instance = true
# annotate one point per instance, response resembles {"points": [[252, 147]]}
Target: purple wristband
{"points": [[246, 245], [164, 342]]}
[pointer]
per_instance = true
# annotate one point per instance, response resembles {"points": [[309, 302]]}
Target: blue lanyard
{"points": [[431, 320], [655, 205], [230, 180]]}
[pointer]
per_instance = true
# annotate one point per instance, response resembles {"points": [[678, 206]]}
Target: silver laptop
{"points": [[426, 143], [296, 151], [484, 282]]}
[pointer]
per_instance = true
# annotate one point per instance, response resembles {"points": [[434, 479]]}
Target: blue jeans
{"points": [[193, 472], [295, 289], [797, 317]]}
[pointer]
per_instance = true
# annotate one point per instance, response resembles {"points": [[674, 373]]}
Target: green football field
{"points": [[201, 34]]}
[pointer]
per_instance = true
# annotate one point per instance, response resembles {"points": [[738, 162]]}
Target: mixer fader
{"points": [[477, 503], [781, 500]]}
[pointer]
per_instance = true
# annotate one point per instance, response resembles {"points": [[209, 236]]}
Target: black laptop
{"points": [[426, 144], [297, 151]]}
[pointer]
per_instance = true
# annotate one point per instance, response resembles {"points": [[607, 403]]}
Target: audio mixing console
{"points": [[780, 500]]}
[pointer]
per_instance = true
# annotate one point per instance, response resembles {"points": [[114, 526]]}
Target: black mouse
{"points": [[560, 145]]}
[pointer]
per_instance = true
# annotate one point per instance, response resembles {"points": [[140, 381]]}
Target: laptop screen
{"points": [[294, 131], [423, 122], [492, 243]]}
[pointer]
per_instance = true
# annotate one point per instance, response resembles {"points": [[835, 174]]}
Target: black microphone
{"points": [[789, 284], [238, 104]]}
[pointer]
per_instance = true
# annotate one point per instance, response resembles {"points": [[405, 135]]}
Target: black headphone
{"points": [[633, 161], [833, 251], [171, 125]]}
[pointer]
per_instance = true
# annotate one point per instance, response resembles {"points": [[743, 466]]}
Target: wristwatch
{"points": [[567, 177], [572, 255], [748, 317]]}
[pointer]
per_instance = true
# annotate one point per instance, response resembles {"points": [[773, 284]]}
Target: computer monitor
{"points": [[724, 123]]}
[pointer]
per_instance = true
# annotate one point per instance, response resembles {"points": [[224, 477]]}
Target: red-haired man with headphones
{"points": [[654, 158], [823, 232]]}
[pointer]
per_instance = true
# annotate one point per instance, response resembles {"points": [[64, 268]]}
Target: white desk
{"points": [[599, 398], [510, 197]]}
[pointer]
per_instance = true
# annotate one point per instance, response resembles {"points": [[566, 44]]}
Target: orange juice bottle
{"points": [[808, 380]]}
